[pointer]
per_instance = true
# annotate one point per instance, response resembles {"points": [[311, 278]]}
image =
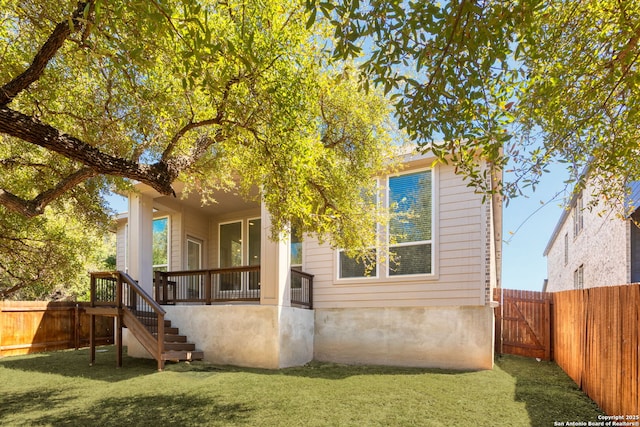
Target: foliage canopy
{"points": [[523, 82], [218, 94]]}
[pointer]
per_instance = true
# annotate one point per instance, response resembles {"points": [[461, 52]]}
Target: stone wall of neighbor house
{"points": [[601, 247], [256, 336], [440, 337]]}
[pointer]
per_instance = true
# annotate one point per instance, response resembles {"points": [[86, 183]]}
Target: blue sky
{"points": [[532, 218]]}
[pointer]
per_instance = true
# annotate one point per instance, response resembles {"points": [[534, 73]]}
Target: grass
{"points": [[59, 388]]}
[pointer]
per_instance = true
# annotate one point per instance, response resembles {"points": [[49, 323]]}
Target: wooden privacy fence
{"points": [[592, 334], [523, 323], [596, 344], [34, 326]]}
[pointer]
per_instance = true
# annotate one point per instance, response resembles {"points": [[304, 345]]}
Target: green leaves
{"points": [[225, 95]]}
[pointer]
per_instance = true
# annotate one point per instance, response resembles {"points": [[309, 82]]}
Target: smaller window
{"points": [[566, 248], [296, 249], [578, 278], [578, 221], [161, 244], [352, 268]]}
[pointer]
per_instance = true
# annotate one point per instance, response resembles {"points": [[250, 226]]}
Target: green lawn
{"points": [[59, 388]]}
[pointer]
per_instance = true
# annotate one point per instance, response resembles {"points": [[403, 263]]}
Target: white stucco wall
{"points": [[247, 335], [601, 247], [439, 337]]}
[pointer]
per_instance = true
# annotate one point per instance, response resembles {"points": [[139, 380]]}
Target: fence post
{"points": [[498, 316], [76, 329], [547, 332]]}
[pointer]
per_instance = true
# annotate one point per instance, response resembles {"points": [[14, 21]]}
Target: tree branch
{"points": [[34, 207], [159, 175], [55, 41]]}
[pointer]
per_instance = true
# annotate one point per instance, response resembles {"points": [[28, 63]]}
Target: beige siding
{"points": [[459, 270], [120, 245], [175, 241], [194, 226]]}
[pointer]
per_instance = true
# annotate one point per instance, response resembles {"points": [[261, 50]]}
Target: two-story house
{"points": [[593, 244]]}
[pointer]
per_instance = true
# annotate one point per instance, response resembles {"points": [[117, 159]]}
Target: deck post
{"points": [[92, 323], [118, 332], [92, 339], [274, 280], [141, 240], [207, 287]]}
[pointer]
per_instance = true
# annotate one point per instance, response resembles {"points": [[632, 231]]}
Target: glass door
{"points": [[230, 255], [194, 262]]}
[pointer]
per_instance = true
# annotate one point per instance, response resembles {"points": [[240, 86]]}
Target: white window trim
{"points": [[246, 255], [578, 216], [358, 279], [168, 264], [382, 274], [416, 243], [302, 249], [242, 240], [578, 277], [200, 243], [379, 201]]}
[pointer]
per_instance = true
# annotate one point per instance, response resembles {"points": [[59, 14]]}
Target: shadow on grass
{"points": [[17, 403], [319, 370], [144, 410], [547, 391], [75, 363]]}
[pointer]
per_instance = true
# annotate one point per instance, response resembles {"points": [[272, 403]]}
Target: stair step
{"points": [[186, 346], [174, 338], [171, 331], [177, 356]]}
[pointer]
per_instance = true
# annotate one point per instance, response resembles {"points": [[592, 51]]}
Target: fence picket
{"points": [[35, 326]]}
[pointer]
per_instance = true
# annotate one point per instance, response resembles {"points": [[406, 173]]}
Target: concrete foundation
{"points": [[275, 337], [435, 337], [256, 336]]}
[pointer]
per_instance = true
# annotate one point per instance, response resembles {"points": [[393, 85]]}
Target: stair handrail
{"points": [[127, 304], [138, 292]]}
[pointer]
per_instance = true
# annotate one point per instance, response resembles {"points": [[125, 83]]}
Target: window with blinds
{"points": [[409, 234], [410, 226]]}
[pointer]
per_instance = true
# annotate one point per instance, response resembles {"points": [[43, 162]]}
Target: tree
{"points": [[525, 81], [218, 94], [49, 252]]}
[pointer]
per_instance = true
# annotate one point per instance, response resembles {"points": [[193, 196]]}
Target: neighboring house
{"points": [[592, 246], [432, 309]]}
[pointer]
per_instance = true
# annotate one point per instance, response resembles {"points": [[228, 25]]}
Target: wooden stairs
{"points": [[116, 294], [176, 346]]}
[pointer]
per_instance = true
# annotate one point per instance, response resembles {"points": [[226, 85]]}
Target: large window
{"points": [[410, 237], [161, 244], [409, 234], [364, 266], [231, 244]]}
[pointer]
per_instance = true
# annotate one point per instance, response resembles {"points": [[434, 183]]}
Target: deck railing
{"points": [[224, 285], [141, 314]]}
